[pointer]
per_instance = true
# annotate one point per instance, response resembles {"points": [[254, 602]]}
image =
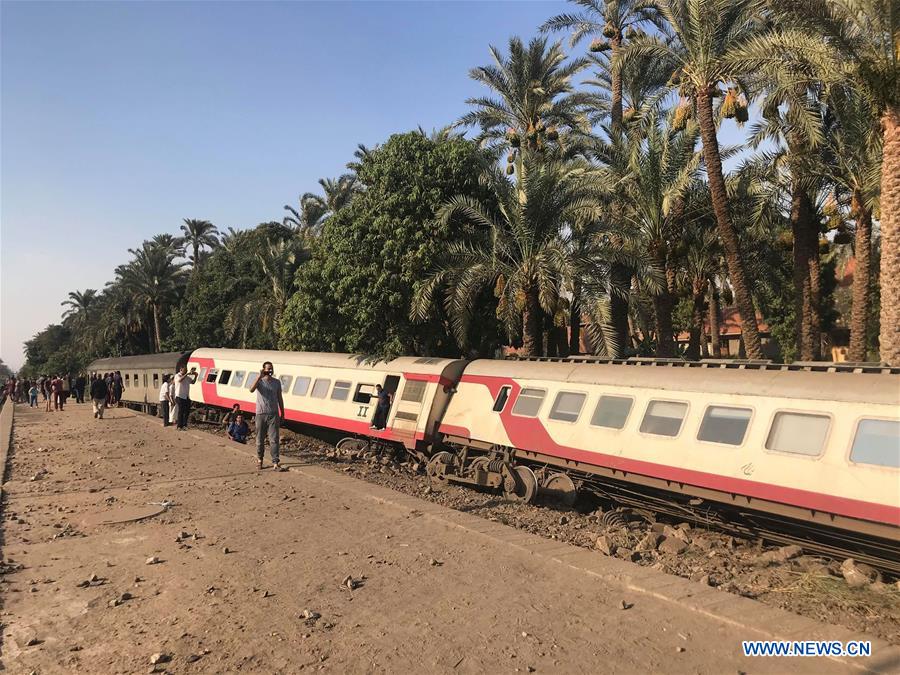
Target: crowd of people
{"points": [[106, 390], [54, 391]]}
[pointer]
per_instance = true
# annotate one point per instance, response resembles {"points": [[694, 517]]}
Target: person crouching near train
{"points": [[99, 392], [269, 413], [238, 429]]}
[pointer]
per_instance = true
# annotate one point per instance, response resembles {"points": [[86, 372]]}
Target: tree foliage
{"points": [[355, 293]]}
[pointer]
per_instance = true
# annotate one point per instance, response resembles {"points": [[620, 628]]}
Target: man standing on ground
{"points": [[183, 382], [79, 388], [269, 412], [165, 400], [98, 397]]}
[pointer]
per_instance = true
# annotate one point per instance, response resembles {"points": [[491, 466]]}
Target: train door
{"points": [[390, 386], [408, 407]]}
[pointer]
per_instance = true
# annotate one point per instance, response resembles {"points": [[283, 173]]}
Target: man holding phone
{"points": [[183, 382], [269, 413]]}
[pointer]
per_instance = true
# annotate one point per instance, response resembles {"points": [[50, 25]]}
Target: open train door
{"points": [[406, 408]]}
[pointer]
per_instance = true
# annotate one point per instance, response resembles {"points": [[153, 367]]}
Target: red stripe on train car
{"points": [[529, 433]]}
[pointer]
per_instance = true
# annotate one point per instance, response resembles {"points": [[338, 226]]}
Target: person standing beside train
{"points": [[269, 413], [183, 382], [165, 399]]}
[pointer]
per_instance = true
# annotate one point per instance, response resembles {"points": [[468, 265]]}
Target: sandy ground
{"points": [[242, 554]]}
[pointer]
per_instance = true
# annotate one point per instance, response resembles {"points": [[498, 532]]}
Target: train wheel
{"points": [[350, 445], [436, 470], [559, 486], [526, 487]]}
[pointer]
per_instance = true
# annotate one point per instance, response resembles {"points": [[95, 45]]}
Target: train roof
{"points": [[163, 361], [875, 388], [406, 364]]}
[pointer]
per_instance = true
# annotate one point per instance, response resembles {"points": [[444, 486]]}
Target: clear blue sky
{"points": [[121, 119]]}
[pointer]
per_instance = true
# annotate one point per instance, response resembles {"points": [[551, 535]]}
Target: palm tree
{"points": [[701, 264], [199, 234], [80, 304], [664, 167], [855, 146], [706, 39], [536, 105], [856, 44], [794, 118], [315, 209], [169, 243], [611, 23], [614, 20], [520, 250], [263, 310], [154, 280]]}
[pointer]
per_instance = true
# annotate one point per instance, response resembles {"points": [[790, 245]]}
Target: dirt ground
{"points": [[808, 585], [247, 571]]}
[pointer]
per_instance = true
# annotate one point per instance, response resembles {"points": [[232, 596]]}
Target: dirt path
{"points": [[242, 554]]}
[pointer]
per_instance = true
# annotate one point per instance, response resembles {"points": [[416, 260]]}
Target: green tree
{"points": [[355, 293], [535, 107], [316, 209], [518, 248], [663, 169], [154, 280], [855, 145], [199, 234], [855, 44], [707, 40]]}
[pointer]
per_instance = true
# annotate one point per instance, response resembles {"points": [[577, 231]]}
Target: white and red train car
{"points": [[814, 446], [334, 391]]}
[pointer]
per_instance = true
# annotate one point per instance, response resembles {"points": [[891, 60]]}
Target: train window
{"points": [[238, 378], [211, 375], [612, 411], [320, 388], [364, 393], [301, 386], [341, 390], [145, 380], [798, 433], [156, 380], [502, 397], [135, 379], [414, 391], [127, 379], [224, 376], [726, 425], [663, 418], [201, 377], [251, 379], [528, 402], [877, 442], [286, 382], [567, 406]]}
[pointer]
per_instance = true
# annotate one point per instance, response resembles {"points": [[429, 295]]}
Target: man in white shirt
{"points": [[165, 400], [183, 382]]}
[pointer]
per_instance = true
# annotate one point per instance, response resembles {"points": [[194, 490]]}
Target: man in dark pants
{"points": [[165, 400], [80, 383], [269, 413], [183, 382]]}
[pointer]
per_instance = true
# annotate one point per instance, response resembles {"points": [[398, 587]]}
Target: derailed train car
{"points": [[772, 444]]}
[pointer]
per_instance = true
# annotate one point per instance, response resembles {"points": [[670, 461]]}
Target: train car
{"points": [[335, 391], [141, 375], [818, 447]]}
